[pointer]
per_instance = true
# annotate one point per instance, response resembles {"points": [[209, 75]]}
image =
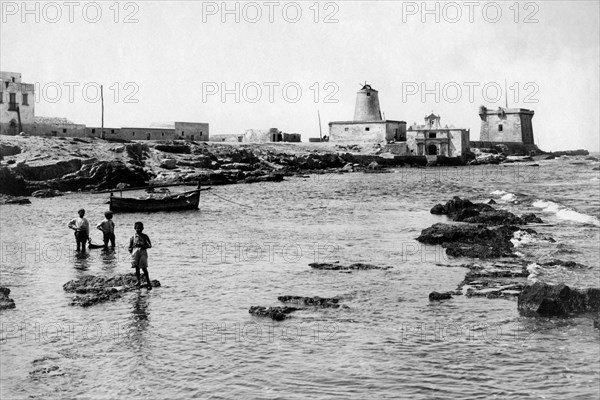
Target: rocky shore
{"points": [[91, 290], [486, 233], [5, 301], [46, 167]]}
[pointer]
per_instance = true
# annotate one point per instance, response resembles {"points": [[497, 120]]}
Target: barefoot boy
{"points": [[81, 226], [139, 257], [107, 226]]}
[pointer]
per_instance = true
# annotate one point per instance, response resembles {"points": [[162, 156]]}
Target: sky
{"points": [[278, 64]]}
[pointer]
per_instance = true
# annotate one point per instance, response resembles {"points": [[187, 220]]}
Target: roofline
{"points": [[366, 122]]}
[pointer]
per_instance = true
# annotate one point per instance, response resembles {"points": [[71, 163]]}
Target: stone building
{"points": [[17, 100], [195, 131], [271, 135], [512, 125], [433, 139], [368, 125]]}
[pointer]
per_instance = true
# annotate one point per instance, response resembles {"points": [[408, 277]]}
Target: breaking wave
{"points": [[565, 213]]}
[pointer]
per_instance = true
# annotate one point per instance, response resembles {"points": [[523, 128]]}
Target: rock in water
{"points": [[436, 296], [275, 313], [98, 289], [5, 301], [557, 300], [339, 267], [311, 301]]}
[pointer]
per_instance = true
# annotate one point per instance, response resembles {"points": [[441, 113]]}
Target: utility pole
{"points": [[320, 132], [102, 101]]}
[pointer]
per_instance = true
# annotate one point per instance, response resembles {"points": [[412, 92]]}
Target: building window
{"points": [[368, 94], [25, 103], [346, 129], [367, 129], [163, 133], [112, 131], [500, 128], [132, 133], [432, 135], [1, 97], [93, 131], [64, 131], [12, 102]]}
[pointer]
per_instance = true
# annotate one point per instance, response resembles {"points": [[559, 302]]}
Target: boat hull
{"points": [[177, 202]]}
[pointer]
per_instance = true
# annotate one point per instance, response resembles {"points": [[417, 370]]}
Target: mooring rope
{"points": [[231, 201]]}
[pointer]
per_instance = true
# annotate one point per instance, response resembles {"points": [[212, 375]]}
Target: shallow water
{"points": [[193, 337]]}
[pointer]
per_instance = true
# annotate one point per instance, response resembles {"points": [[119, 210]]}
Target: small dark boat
{"points": [[170, 202]]}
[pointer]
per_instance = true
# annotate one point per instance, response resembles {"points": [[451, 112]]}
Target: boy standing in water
{"points": [[139, 257], [81, 226], [107, 226]]}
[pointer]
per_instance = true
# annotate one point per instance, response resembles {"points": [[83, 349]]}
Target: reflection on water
{"points": [[82, 260]]}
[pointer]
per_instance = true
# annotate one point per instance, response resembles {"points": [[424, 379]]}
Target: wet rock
{"points": [[45, 193], [566, 264], [348, 168], [531, 218], [496, 217], [458, 207], [92, 289], [316, 301], [557, 300], [436, 296], [339, 267], [15, 200], [44, 370], [275, 313], [476, 241], [5, 301], [492, 201]]}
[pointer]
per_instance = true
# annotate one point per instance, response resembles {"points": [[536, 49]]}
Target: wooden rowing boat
{"points": [[169, 202]]}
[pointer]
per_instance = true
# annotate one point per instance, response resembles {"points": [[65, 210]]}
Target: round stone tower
{"points": [[367, 105]]}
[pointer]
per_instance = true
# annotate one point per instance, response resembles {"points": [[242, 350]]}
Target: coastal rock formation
{"points": [[557, 300], [45, 193], [339, 267], [101, 175], [92, 289], [8, 199], [463, 210], [275, 313], [5, 301], [475, 241], [436, 296], [11, 183], [316, 301]]}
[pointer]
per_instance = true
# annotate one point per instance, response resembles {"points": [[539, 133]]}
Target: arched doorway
{"points": [[12, 128], [432, 150]]}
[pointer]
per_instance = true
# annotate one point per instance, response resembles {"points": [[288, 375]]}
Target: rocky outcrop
{"points": [[5, 301], [91, 290], [316, 301], [542, 299], [475, 241], [436, 296], [352, 267], [101, 175], [48, 171], [463, 210], [45, 193], [11, 183], [14, 200], [275, 313]]}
